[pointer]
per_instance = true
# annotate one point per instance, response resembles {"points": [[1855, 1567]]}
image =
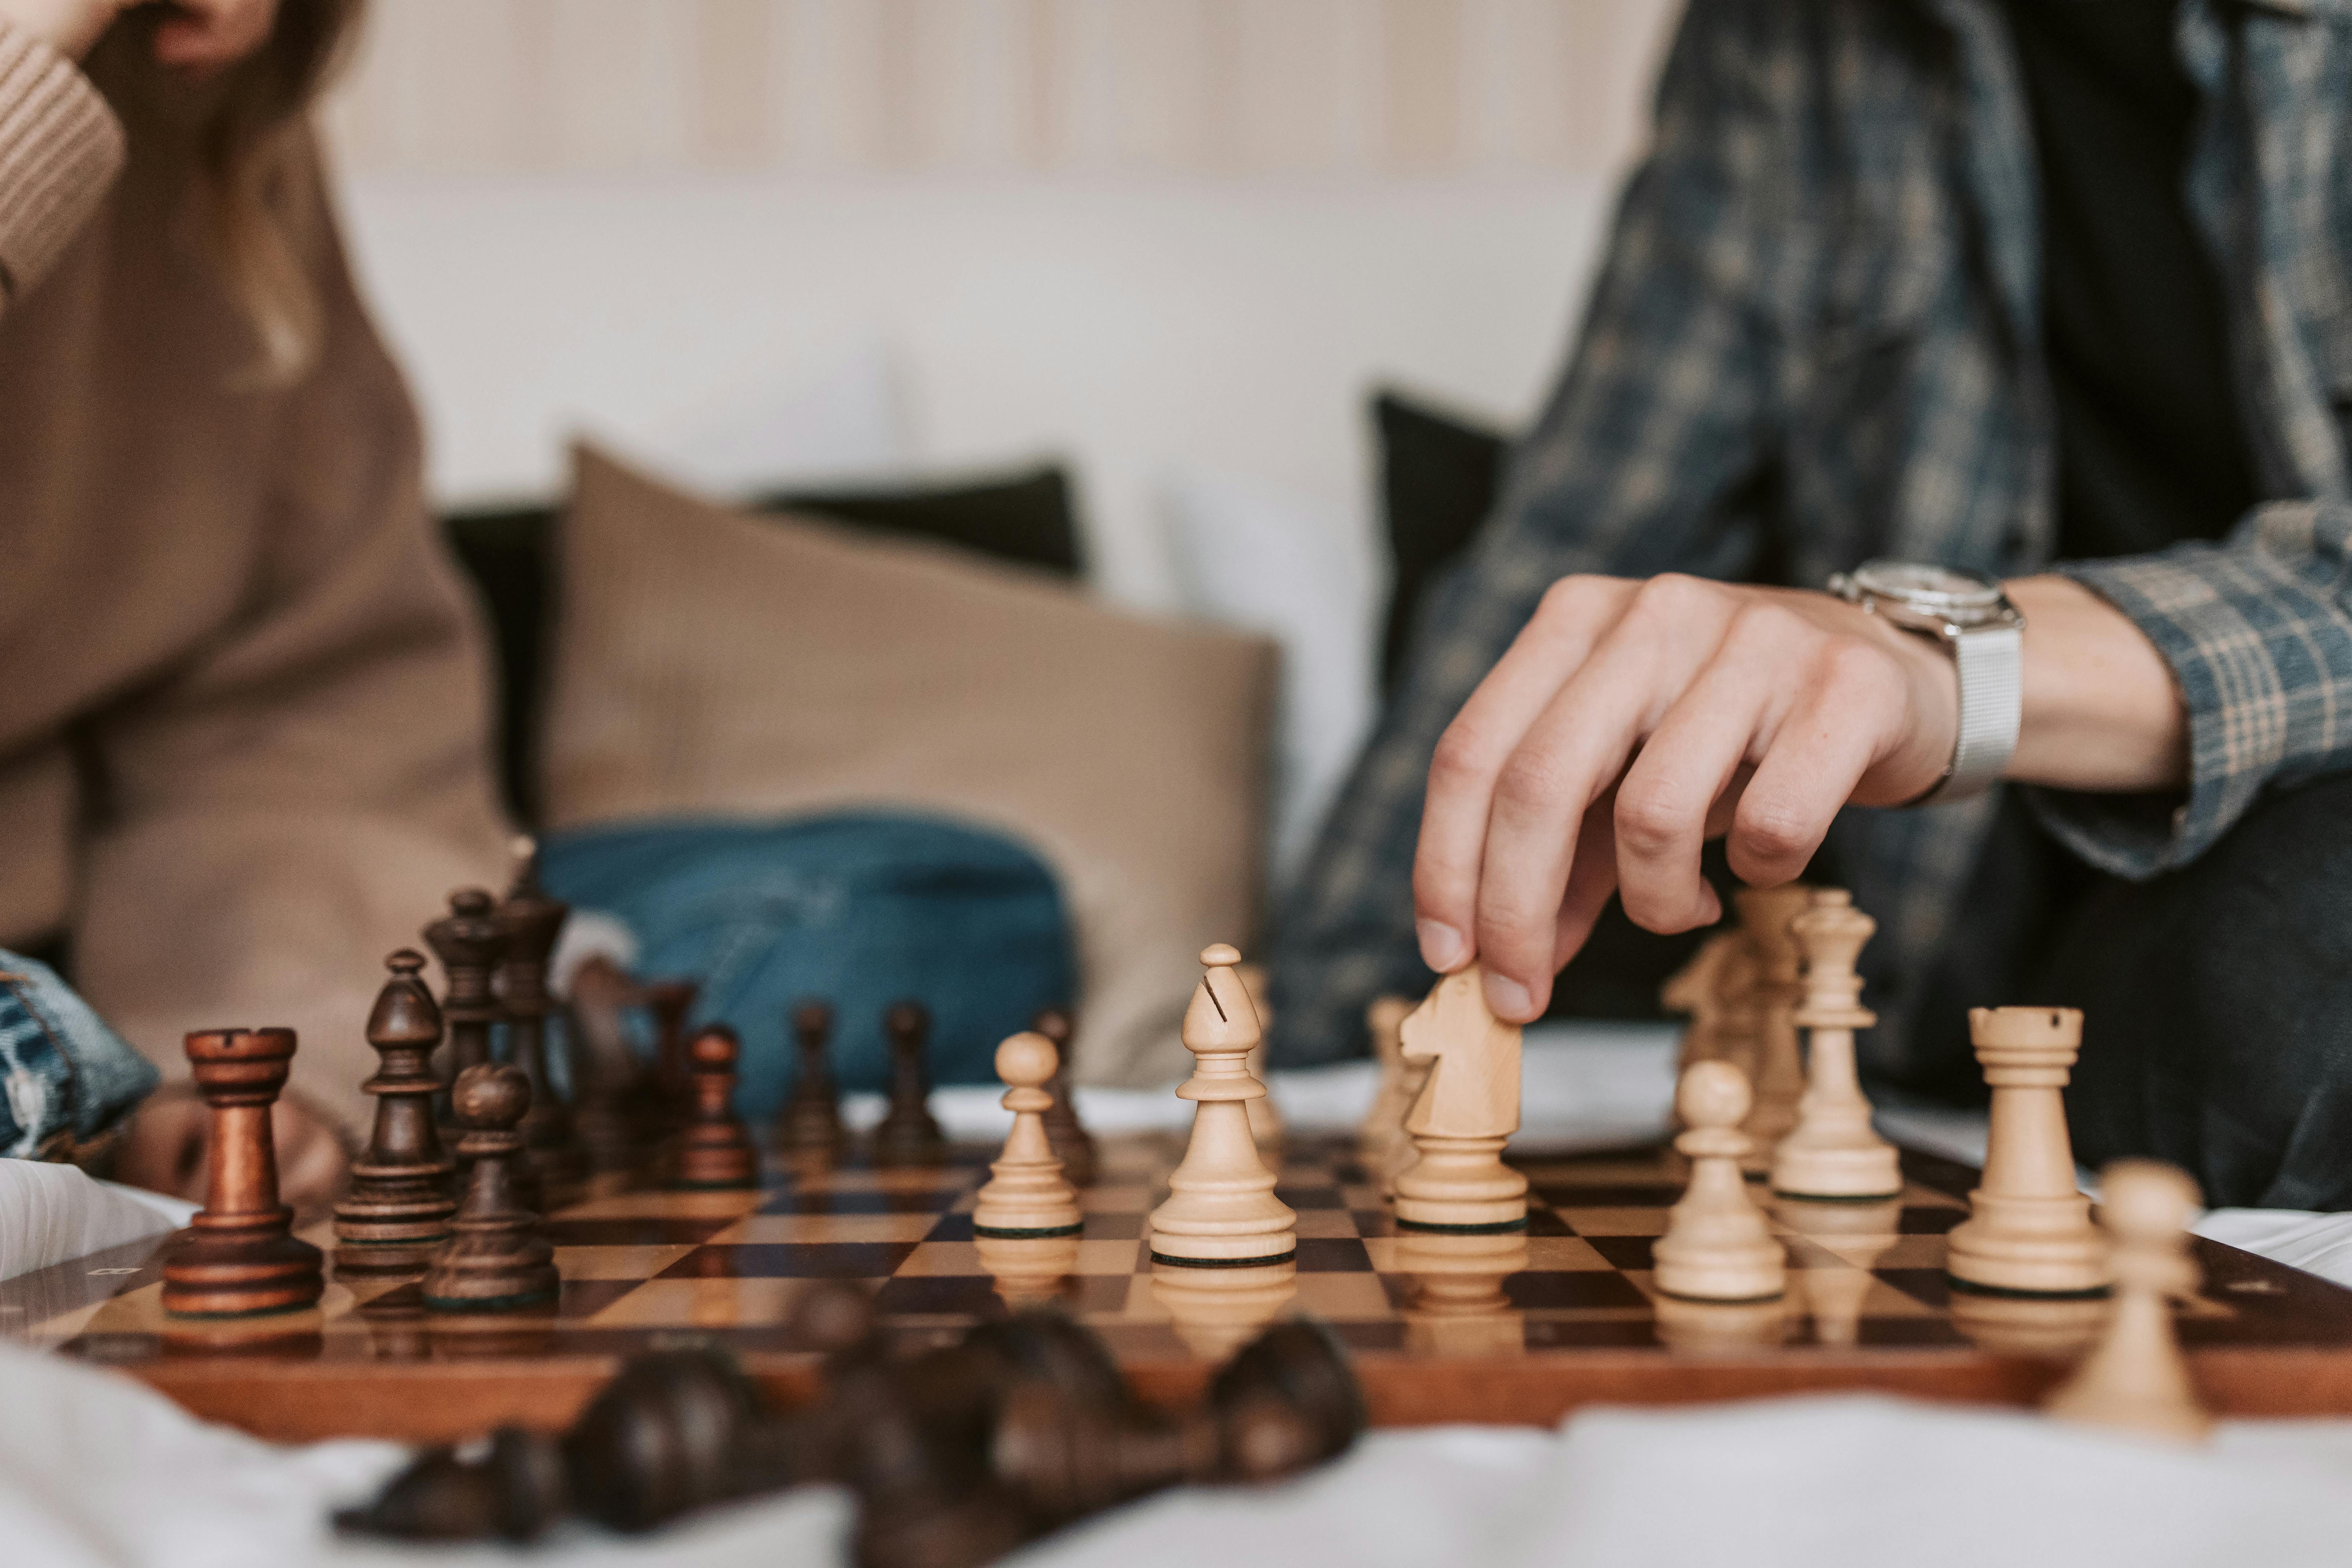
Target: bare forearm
{"points": [[2101, 709]]}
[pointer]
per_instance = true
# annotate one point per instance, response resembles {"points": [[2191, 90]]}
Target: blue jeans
{"points": [[68, 1079], [857, 909]]}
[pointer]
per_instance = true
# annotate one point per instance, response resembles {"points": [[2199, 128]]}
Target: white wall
{"points": [[747, 237], [1136, 326]]}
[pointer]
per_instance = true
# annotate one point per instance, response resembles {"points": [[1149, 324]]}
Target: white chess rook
{"points": [[1834, 1151], [1028, 1197], [1220, 1210], [2028, 1232]]}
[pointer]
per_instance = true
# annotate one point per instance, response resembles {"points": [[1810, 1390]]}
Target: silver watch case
{"points": [[1969, 617]]}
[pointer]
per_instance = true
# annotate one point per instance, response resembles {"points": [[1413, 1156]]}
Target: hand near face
{"points": [[200, 35], [1633, 721]]}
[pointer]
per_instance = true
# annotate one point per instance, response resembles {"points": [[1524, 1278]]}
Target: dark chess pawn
{"points": [[238, 1256], [1072, 1144], [533, 921], [810, 1122], [397, 1212], [909, 1135], [498, 1259], [716, 1151]]}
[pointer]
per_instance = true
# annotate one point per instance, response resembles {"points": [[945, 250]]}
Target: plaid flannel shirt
{"points": [[1815, 340]]}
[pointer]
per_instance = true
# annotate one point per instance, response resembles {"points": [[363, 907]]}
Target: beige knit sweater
{"points": [[242, 737]]}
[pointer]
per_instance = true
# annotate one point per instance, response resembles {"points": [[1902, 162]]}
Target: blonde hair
{"points": [[251, 149]]}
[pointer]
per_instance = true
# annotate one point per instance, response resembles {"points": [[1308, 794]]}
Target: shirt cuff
{"points": [[60, 147], [2258, 666]]}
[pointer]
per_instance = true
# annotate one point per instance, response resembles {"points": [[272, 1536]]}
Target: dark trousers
{"points": [[2217, 1005]]}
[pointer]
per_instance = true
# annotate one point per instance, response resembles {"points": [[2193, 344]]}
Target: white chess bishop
{"points": [[1221, 1211]]}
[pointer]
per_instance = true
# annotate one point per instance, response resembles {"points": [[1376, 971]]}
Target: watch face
{"points": [[1929, 587]]}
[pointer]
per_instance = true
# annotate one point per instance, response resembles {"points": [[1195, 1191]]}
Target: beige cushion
{"points": [[713, 663]]}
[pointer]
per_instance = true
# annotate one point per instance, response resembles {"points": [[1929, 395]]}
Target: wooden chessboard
{"points": [[1517, 1328]]}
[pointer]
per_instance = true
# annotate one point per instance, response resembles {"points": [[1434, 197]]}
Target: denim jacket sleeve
{"points": [[66, 1078]]}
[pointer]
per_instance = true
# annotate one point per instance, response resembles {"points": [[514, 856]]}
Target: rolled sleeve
{"points": [[2258, 631], [60, 147]]}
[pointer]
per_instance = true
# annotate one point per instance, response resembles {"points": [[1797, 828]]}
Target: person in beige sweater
{"points": [[243, 746]]}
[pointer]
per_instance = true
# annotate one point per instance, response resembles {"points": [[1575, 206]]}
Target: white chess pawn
{"points": [[2135, 1377], [1220, 1210], [1028, 1197], [1833, 1152], [1717, 1246]]}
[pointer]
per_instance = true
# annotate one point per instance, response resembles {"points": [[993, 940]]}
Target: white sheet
{"points": [[97, 1471], [50, 1214]]}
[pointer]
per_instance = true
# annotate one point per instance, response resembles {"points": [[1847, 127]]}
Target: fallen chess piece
{"points": [[957, 1454]]}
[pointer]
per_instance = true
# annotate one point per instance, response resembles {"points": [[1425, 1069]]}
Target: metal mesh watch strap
{"points": [[1991, 662]]}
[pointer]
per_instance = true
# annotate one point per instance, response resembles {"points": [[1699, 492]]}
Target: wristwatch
{"points": [[1971, 618]]}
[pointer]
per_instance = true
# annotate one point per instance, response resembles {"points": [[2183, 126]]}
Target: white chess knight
{"points": [[1220, 1210], [1467, 1110]]}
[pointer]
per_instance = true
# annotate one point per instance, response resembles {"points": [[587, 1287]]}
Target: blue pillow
{"points": [[66, 1078], [859, 910]]}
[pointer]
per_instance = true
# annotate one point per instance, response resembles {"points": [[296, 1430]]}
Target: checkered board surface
{"points": [[647, 1268]]}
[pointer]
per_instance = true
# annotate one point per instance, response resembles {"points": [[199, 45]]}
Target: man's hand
{"points": [[163, 1149], [1630, 723], [203, 35]]}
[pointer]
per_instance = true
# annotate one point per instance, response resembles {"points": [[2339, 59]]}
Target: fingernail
{"points": [[1441, 945], [1506, 997]]}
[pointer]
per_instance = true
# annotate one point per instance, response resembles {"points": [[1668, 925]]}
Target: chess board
{"points": [[1515, 1328]]}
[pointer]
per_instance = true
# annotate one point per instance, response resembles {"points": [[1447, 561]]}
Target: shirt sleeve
{"points": [[2258, 631], [1640, 462], [293, 803], [60, 148]]}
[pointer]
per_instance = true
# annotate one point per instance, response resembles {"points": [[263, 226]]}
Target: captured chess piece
{"points": [[1072, 1142], [1467, 1110], [1286, 1402], [498, 1259], [470, 943], [533, 922], [1027, 1197], [810, 1122], [1778, 1078], [907, 1134], [1717, 1246], [1382, 1144], [397, 1212], [716, 1150], [2028, 1231], [1833, 1152], [2135, 1377], [1221, 1211], [239, 1257], [1264, 1116]]}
